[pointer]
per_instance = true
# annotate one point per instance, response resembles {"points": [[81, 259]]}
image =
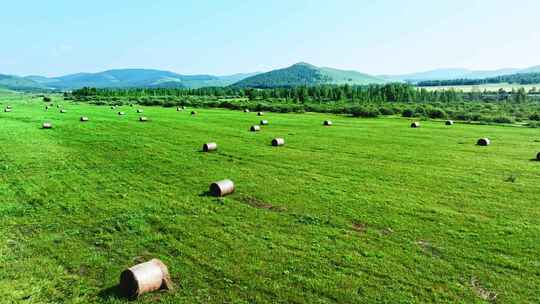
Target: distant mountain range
{"points": [[124, 78], [449, 74], [297, 74]]}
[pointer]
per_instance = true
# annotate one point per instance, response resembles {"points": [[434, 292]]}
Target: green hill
{"points": [[306, 74], [18, 83]]}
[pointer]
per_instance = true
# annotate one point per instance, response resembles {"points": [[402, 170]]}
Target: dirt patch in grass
{"points": [[359, 227], [482, 292], [260, 204]]}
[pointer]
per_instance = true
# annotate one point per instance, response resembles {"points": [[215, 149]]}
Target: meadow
{"points": [[365, 211]]}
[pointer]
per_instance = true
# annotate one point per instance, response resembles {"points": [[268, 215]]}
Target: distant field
{"points": [[489, 87], [365, 211]]}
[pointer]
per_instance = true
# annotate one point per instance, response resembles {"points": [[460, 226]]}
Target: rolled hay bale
{"points": [[276, 142], [121, 113], [145, 277], [179, 109], [131, 105], [8, 107], [193, 113], [264, 122], [84, 118], [183, 107], [415, 124], [63, 111], [46, 108], [483, 142], [7, 110], [246, 110], [449, 122], [143, 118], [58, 106], [222, 188], [46, 125], [140, 110], [113, 107], [255, 128], [260, 114], [208, 147], [327, 123]]}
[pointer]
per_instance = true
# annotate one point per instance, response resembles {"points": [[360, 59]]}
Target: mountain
{"points": [[18, 83], [456, 73], [306, 74], [121, 78]]}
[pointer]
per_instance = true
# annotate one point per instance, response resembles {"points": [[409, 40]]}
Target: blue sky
{"points": [[57, 37]]}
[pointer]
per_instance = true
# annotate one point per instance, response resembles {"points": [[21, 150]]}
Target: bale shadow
{"points": [[113, 293]]}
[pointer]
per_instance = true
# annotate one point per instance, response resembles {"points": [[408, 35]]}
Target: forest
{"points": [[362, 101], [524, 78]]}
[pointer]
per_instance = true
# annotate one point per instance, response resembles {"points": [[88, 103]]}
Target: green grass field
{"points": [[365, 211], [485, 87]]}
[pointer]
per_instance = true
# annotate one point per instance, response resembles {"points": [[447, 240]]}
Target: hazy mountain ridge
{"points": [[458, 73]]}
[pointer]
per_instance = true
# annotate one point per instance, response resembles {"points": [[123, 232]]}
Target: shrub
{"points": [[502, 119], [407, 113]]}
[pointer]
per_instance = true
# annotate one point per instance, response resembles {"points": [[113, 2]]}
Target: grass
{"points": [[485, 87], [365, 211]]}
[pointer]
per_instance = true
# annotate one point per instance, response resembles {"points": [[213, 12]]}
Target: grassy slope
{"points": [[350, 77], [433, 212]]}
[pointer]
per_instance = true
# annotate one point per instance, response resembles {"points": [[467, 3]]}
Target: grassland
{"points": [[485, 87], [366, 211]]}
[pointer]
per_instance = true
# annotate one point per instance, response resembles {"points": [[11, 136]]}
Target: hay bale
{"points": [[131, 105], [121, 113], [113, 107], [276, 142], [84, 118], [260, 114], [193, 113], [483, 142], [222, 188], [145, 277], [415, 124], [449, 122], [246, 110], [538, 156], [63, 111], [264, 122], [208, 147], [8, 107], [183, 107], [143, 119], [327, 123], [255, 129], [47, 125], [7, 110], [178, 109], [140, 110], [58, 106], [46, 108]]}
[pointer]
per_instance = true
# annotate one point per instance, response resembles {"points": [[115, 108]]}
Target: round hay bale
{"points": [[121, 113], [131, 105], [208, 147], [264, 122], [483, 142], [145, 277], [46, 108], [449, 122], [193, 113], [255, 128], [178, 109], [8, 107], [7, 110], [246, 110], [415, 124], [140, 110], [113, 107], [63, 111], [84, 118], [58, 106], [183, 107], [276, 142], [143, 119], [327, 123], [222, 188], [47, 125], [260, 114]]}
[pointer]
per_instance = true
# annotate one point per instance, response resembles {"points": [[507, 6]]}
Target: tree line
{"points": [[523, 79]]}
